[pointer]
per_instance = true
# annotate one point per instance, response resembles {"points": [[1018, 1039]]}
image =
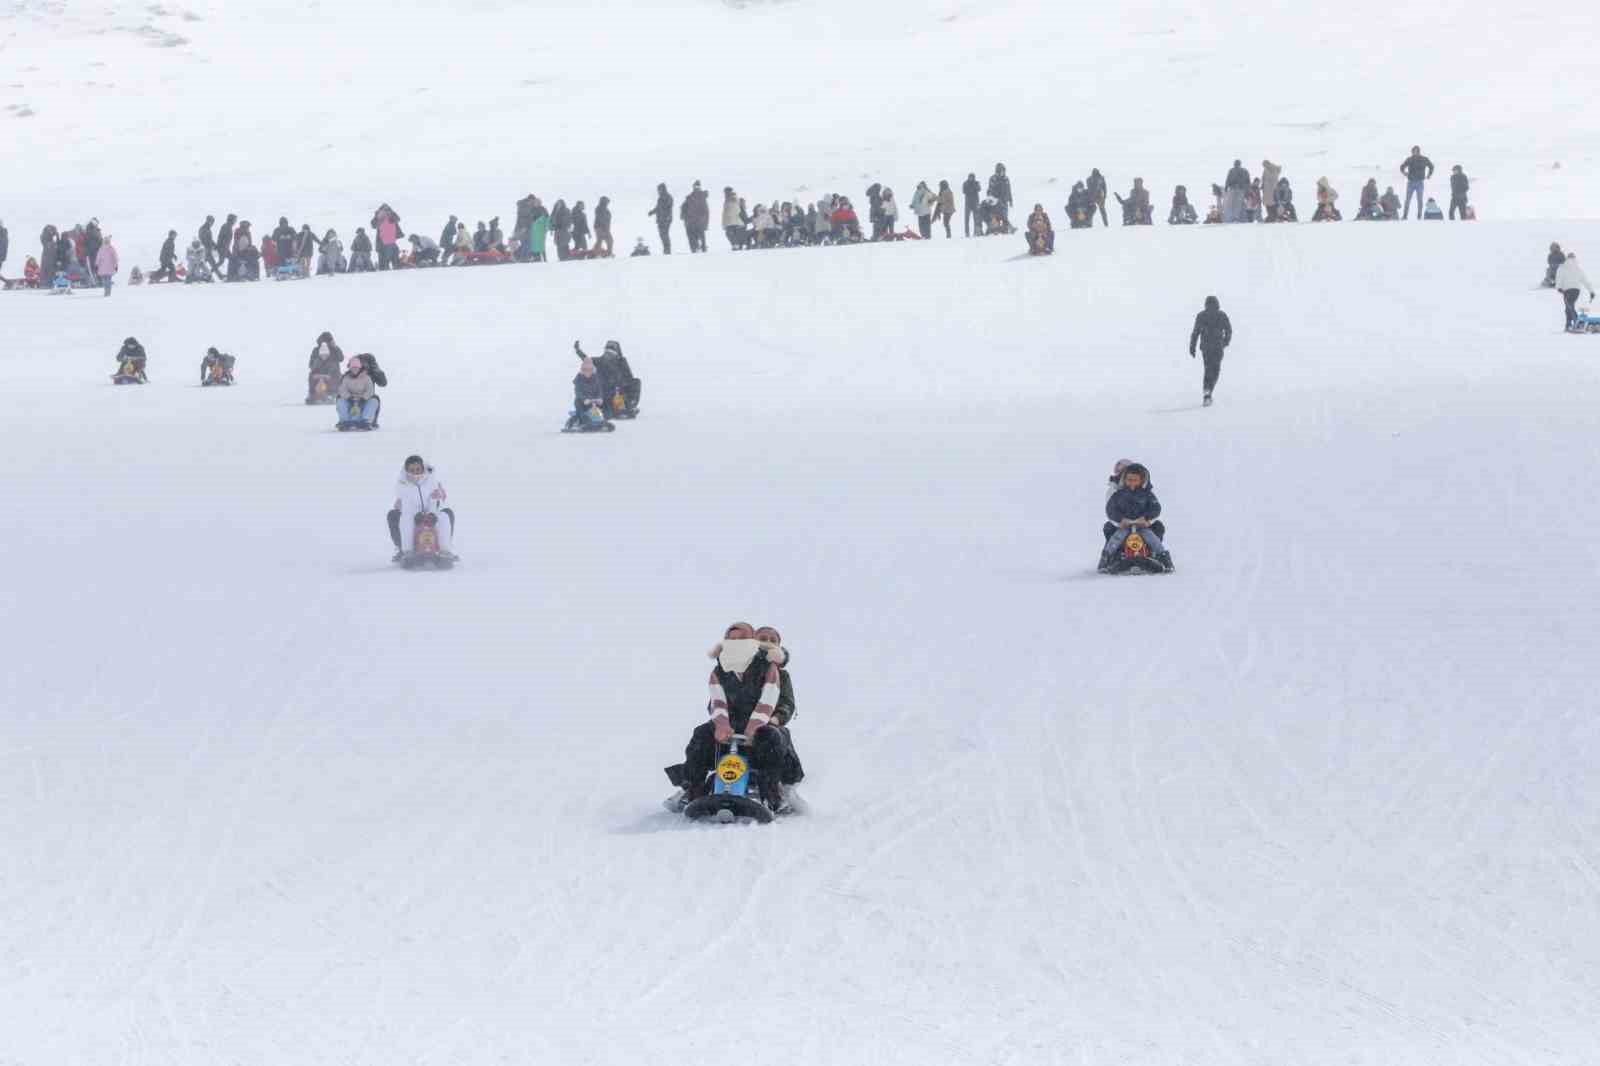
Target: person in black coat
{"points": [[360, 252], [1458, 192], [1000, 191], [224, 245], [662, 213], [1417, 168], [580, 229], [561, 225], [169, 259], [1134, 506], [1213, 333], [587, 390], [971, 190], [1095, 186], [284, 237]]}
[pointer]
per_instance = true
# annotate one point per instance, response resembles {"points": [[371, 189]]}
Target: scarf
{"points": [[735, 655]]}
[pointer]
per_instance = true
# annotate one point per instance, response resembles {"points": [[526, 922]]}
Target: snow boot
{"points": [[1205, 401], [1165, 559]]}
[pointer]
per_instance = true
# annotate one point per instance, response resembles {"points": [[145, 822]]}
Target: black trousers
{"points": [[1213, 359], [394, 525], [772, 755], [1457, 203], [1571, 298], [665, 229]]}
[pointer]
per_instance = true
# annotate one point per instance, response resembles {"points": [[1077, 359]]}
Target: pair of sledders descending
{"points": [[1134, 533], [741, 763], [604, 389]]}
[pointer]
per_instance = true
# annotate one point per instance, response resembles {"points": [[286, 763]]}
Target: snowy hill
{"points": [[1322, 796]]}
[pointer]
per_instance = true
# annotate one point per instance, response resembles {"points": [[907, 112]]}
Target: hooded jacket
{"points": [[1569, 275], [1126, 505], [1212, 330], [426, 495], [357, 387]]}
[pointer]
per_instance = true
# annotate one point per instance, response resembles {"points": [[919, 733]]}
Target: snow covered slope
{"points": [[1323, 796]]}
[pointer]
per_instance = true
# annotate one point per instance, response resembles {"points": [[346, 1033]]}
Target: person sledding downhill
{"points": [[620, 389], [322, 382], [358, 402], [130, 364], [589, 414], [216, 368], [1134, 542], [741, 763], [421, 526]]}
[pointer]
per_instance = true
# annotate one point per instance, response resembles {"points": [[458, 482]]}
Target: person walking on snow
{"points": [[1213, 333], [1458, 192], [1417, 168], [1570, 278], [105, 263]]}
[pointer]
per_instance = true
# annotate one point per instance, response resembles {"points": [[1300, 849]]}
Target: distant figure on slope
{"points": [[1389, 204], [386, 228], [1417, 168], [358, 402], [971, 189], [588, 395], [169, 260], [1183, 212], [1234, 190], [1432, 212], [1458, 194], [639, 249], [216, 368], [1552, 264], [1570, 278], [106, 263], [1134, 507], [1327, 199], [999, 191], [130, 364], [1136, 209], [662, 213], [1270, 173], [322, 381], [1095, 185], [361, 252], [1213, 333], [1041, 235]]}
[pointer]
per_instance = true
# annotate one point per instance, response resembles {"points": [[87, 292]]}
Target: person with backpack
{"points": [[1417, 168], [1213, 333]]}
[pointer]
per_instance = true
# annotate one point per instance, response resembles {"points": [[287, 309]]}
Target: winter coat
{"points": [[923, 201], [662, 211], [385, 215], [388, 231], [169, 253], [1212, 331], [1270, 173], [561, 217], [697, 209], [1458, 189], [207, 241], [602, 215], [1095, 186], [105, 262], [1000, 189], [580, 222], [587, 390], [888, 208], [426, 496], [325, 364], [225, 238], [1326, 194], [358, 387], [947, 203], [305, 244], [1238, 178], [1126, 505], [361, 244], [764, 220], [1417, 167], [971, 189], [1569, 275], [284, 236], [730, 212]]}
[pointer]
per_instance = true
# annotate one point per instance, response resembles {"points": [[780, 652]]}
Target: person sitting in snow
{"points": [[130, 363], [424, 252], [1183, 212], [1431, 211], [746, 686], [1041, 235], [358, 402], [198, 263], [1136, 210], [1283, 202], [216, 368], [419, 491], [1389, 204], [360, 252], [639, 248], [1327, 200], [1134, 506]]}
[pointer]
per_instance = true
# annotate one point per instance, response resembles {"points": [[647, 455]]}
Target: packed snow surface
{"points": [[1323, 796]]}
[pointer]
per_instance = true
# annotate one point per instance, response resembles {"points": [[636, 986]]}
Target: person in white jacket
{"points": [[889, 210], [1570, 279], [923, 203], [419, 491]]}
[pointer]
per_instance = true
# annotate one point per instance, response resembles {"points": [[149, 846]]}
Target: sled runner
{"points": [[591, 421], [735, 788], [1135, 557], [425, 553]]}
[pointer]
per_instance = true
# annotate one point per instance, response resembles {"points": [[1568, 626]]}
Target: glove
{"points": [[721, 729]]}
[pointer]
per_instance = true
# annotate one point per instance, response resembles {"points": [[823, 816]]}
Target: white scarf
{"points": [[734, 656]]}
